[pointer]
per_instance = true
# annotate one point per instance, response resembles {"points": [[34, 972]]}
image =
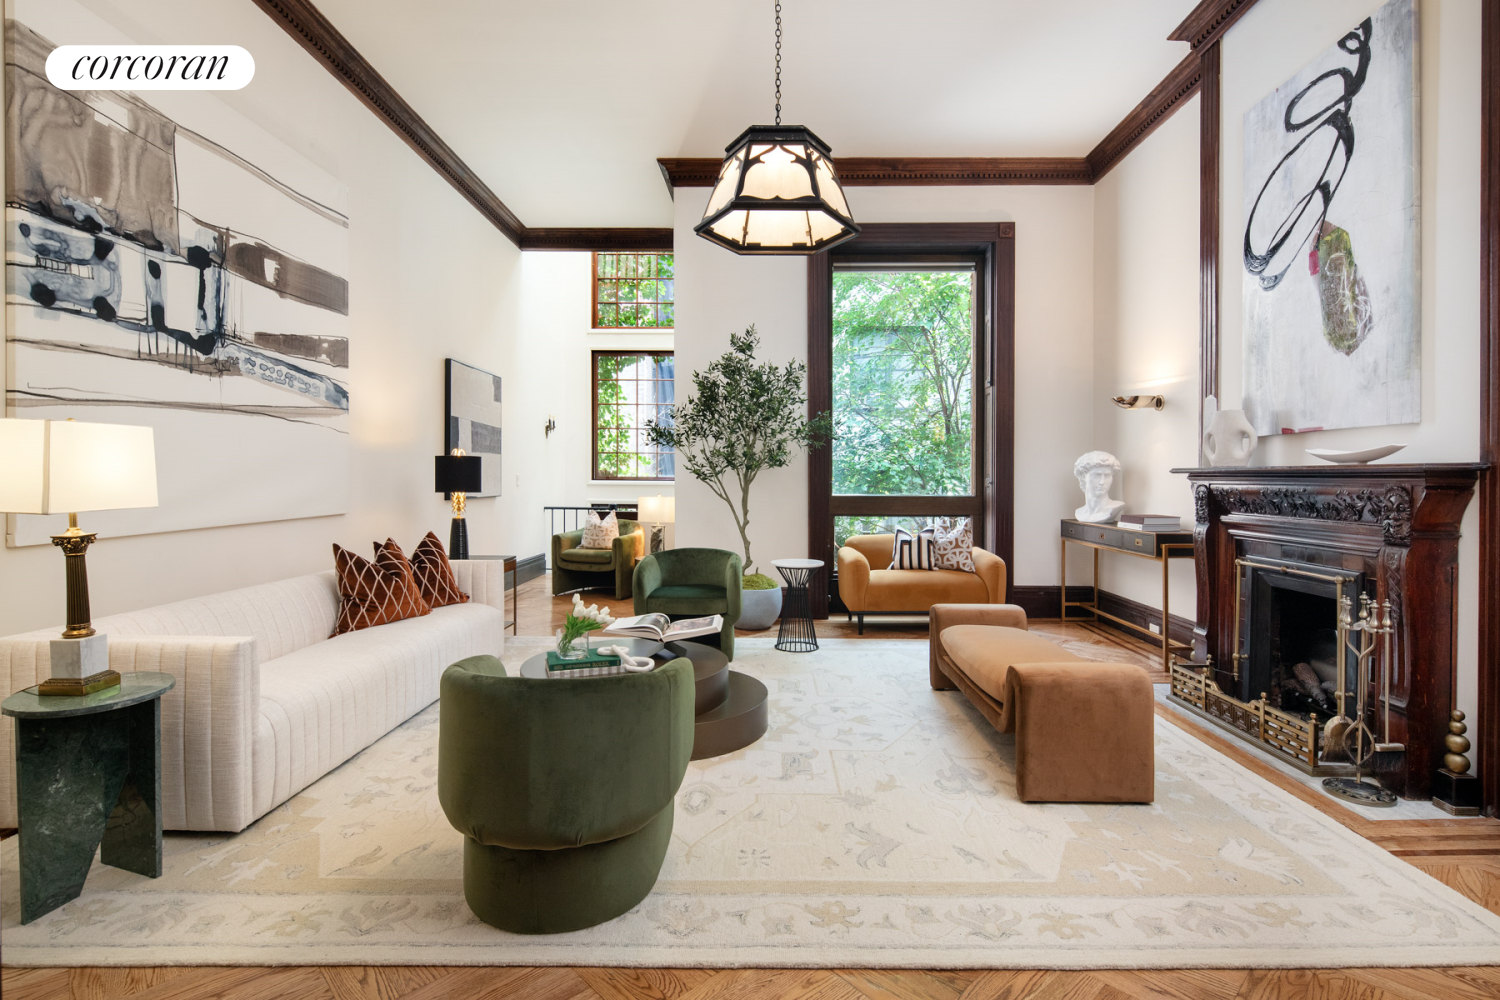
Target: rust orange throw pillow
{"points": [[375, 593], [434, 573]]}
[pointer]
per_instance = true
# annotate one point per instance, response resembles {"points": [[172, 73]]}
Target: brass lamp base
{"points": [[76, 686]]}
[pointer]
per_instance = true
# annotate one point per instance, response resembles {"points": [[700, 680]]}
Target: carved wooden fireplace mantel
{"points": [[1393, 527]]}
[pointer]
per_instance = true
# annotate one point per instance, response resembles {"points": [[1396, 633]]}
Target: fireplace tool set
{"points": [[1352, 737]]}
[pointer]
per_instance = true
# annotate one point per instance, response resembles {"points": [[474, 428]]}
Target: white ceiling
{"points": [[562, 107]]}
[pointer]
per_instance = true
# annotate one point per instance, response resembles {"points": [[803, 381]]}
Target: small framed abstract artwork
{"points": [[472, 405]]}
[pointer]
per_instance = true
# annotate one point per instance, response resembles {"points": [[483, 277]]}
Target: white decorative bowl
{"points": [[1355, 457]]}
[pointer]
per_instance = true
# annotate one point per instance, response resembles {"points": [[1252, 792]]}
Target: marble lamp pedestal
{"points": [[79, 666]]}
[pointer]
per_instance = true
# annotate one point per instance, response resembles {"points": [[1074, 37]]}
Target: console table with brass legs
{"points": [[1161, 546]]}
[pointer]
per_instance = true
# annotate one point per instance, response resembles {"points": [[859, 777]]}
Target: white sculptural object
{"points": [[1096, 474], [1229, 438]]}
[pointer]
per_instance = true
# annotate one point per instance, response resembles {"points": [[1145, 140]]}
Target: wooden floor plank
{"points": [[1007, 984], [1179, 984], [109, 983], [643, 984], [899, 984], [374, 982], [289, 983], [36, 984]]}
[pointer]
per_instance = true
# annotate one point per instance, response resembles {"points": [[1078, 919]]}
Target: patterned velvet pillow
{"points": [[954, 546], [375, 593], [429, 563], [599, 534], [913, 551]]}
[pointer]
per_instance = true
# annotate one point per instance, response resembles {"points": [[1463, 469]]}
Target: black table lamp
{"points": [[457, 474]]}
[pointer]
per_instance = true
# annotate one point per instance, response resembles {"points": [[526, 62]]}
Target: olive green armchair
{"points": [[563, 789], [692, 582], [589, 569]]}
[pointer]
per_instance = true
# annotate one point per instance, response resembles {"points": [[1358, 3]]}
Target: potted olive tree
{"points": [[744, 417]]}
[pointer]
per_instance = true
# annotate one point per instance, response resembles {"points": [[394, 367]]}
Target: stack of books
{"points": [[1150, 522], [595, 664]]}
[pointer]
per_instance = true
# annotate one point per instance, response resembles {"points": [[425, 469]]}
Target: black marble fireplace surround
{"points": [[1390, 531]]}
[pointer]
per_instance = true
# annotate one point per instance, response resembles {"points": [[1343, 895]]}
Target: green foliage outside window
{"points": [[633, 290], [631, 389], [903, 362]]}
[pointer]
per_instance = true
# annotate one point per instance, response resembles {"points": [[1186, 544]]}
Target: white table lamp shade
{"points": [[656, 510], [66, 466]]}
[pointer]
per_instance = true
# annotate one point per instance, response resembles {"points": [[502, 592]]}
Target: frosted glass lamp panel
{"points": [[729, 179], [778, 173], [828, 186], [732, 226], [823, 226], [782, 229]]}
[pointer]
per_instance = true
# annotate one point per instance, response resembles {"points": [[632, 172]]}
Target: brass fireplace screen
{"points": [[1318, 747]]}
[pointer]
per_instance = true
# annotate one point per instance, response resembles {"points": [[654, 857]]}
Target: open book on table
{"points": [[661, 628]]}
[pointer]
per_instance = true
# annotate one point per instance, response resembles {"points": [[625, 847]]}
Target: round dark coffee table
{"points": [[730, 706]]}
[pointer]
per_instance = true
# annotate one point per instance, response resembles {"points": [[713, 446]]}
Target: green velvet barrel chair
{"points": [[563, 789], [574, 568], [692, 582]]}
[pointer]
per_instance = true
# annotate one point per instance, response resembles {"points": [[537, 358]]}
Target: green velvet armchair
{"points": [[563, 789], [692, 582], [589, 569]]}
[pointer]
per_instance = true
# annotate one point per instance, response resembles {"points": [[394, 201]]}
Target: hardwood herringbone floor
{"points": [[1463, 853]]}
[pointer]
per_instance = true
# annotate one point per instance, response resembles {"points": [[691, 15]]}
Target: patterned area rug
{"points": [[875, 825]]}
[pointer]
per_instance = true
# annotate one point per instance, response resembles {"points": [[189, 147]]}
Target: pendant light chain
{"points": [[778, 62]]}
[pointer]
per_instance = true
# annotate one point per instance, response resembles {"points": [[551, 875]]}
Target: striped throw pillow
{"points": [[914, 551]]}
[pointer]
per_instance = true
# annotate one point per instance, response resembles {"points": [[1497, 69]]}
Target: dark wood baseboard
{"points": [[527, 569], [1042, 602]]}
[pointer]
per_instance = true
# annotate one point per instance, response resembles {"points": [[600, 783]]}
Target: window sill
{"points": [[632, 482]]}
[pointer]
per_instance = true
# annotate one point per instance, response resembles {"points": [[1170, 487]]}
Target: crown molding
{"points": [[1208, 21], [907, 171], [1145, 117], [315, 33], [602, 240]]}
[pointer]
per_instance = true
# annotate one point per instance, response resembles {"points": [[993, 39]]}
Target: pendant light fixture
{"points": [[777, 191]]}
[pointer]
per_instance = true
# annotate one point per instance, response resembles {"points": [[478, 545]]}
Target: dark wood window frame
{"points": [[594, 300], [594, 414], [991, 247]]}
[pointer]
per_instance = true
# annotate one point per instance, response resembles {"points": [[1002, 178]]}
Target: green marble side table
{"points": [[88, 775]]}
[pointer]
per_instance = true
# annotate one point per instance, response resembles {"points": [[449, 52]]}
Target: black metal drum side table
{"points": [[88, 775], [796, 634]]}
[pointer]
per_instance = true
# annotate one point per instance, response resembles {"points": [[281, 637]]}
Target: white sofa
{"points": [[266, 703]]}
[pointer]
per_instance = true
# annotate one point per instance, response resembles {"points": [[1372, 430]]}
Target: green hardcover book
{"points": [[592, 661]]}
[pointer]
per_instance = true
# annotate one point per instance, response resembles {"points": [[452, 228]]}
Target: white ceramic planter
{"points": [[759, 609]]}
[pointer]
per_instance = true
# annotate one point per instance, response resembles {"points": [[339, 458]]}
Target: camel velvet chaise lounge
{"points": [[1084, 730]]}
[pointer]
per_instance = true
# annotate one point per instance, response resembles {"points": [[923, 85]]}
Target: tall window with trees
{"points": [[630, 388], [633, 290], [903, 396]]}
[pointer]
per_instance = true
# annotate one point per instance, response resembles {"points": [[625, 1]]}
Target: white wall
{"points": [[550, 358], [718, 292], [429, 278], [1268, 45], [1146, 340]]}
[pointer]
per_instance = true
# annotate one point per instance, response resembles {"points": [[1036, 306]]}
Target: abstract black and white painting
{"points": [[1332, 317], [473, 420], [169, 263]]}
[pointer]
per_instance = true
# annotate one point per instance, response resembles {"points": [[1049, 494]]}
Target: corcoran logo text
{"points": [[150, 67]]}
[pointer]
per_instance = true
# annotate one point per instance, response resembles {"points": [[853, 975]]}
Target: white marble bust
{"points": [[1096, 472]]}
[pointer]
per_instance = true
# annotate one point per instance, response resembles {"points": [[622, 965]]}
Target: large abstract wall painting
{"points": [[473, 419], [1332, 320], [169, 263]]}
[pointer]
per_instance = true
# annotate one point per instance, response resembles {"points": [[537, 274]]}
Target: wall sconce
{"points": [[549, 427], [1139, 402]]}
